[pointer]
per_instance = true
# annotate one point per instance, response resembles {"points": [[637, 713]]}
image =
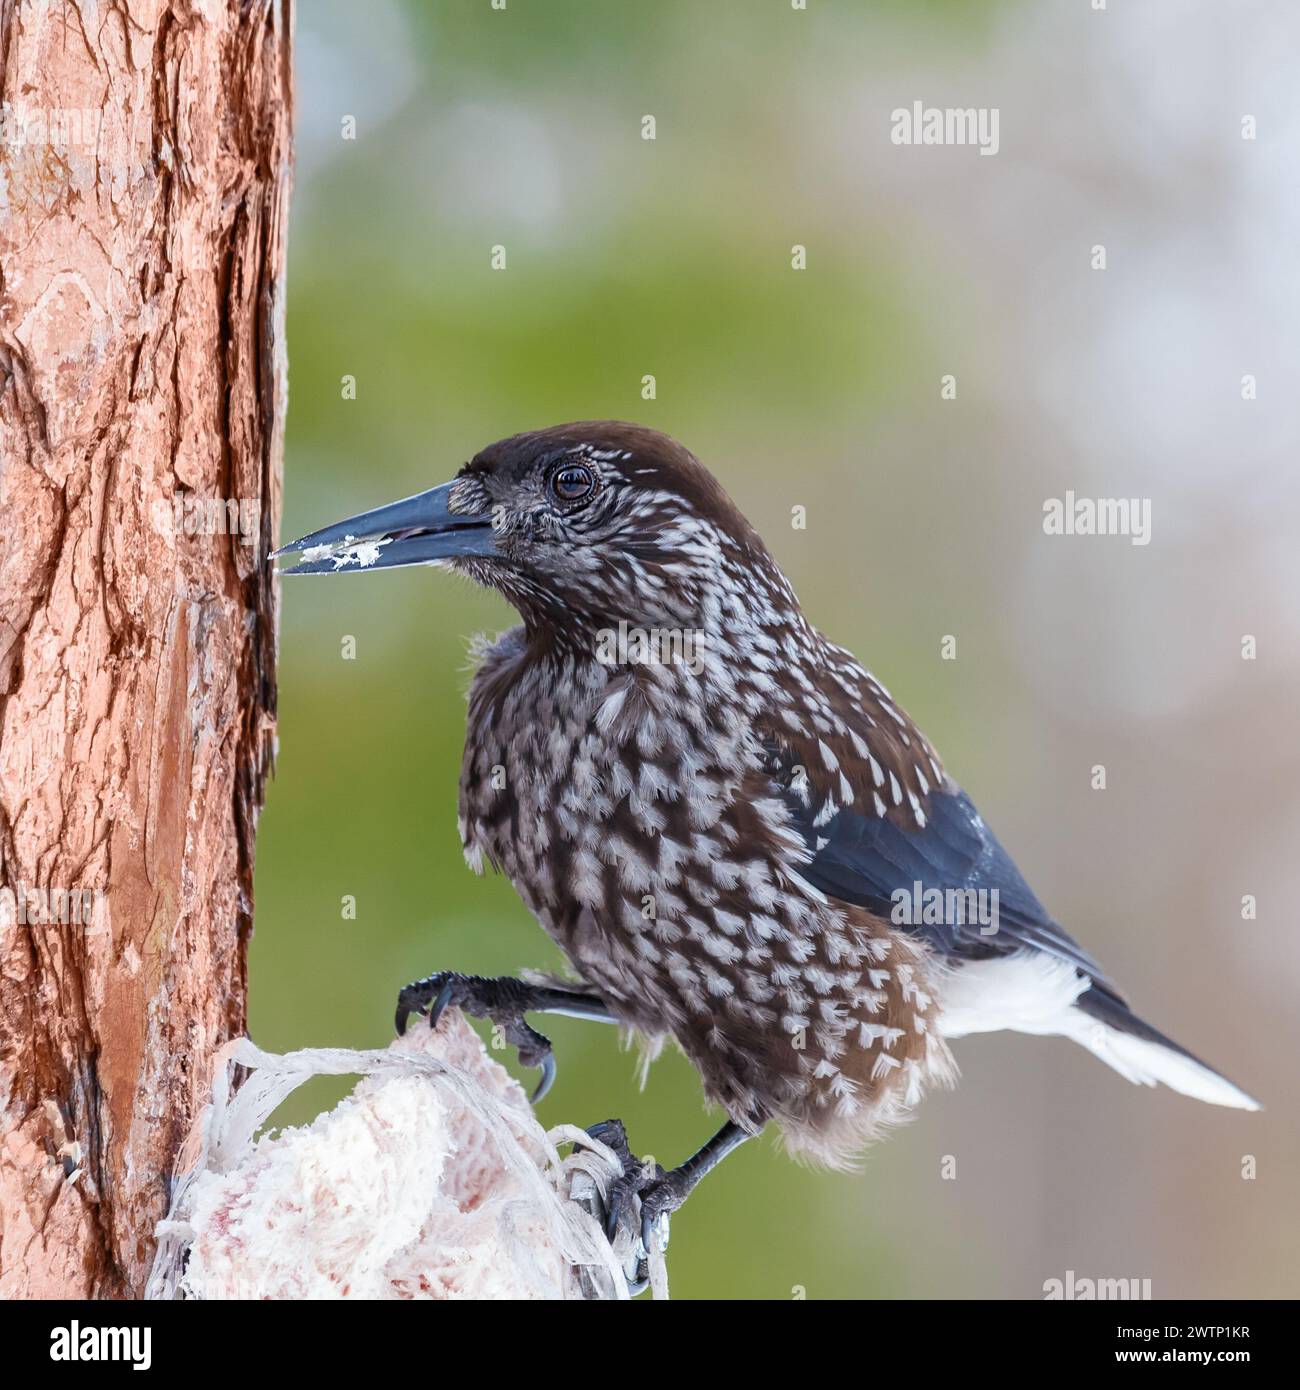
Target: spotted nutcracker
{"points": [[723, 819]]}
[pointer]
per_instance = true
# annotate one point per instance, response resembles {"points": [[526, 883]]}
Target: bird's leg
{"points": [[504, 1001], [661, 1193]]}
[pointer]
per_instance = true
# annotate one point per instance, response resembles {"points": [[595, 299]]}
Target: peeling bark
{"points": [[143, 215]]}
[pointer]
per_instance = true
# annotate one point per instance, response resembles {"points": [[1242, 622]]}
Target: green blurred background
{"points": [[820, 388]]}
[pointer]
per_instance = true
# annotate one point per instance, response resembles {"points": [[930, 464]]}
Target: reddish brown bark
{"points": [[141, 361]]}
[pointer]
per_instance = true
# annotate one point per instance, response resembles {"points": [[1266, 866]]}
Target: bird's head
{"points": [[577, 525]]}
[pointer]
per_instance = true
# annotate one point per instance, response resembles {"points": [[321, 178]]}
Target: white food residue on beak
{"points": [[349, 551]]}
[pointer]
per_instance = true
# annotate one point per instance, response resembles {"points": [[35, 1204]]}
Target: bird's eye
{"points": [[573, 482]]}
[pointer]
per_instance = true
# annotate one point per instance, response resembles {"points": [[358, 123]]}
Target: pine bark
{"points": [[144, 187]]}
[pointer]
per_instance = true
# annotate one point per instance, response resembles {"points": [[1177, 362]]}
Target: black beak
{"points": [[419, 530]]}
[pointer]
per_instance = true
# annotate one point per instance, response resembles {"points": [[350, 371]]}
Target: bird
{"points": [[735, 834]]}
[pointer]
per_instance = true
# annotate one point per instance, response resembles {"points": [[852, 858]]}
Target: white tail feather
{"points": [[1148, 1063], [1032, 992]]}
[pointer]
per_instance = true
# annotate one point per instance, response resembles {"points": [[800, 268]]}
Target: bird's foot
{"points": [[644, 1196], [648, 1196], [503, 1001]]}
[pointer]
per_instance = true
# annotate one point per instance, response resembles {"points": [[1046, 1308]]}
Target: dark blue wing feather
{"points": [[864, 860]]}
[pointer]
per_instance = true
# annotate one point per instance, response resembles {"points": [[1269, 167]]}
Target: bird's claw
{"points": [[548, 1069], [658, 1202], [644, 1197], [502, 1001], [637, 1176]]}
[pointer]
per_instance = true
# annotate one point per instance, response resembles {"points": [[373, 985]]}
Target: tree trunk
{"points": [[144, 185]]}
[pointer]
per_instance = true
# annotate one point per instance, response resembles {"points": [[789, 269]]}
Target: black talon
{"points": [[612, 1134], [547, 1079], [652, 1217], [439, 1005], [659, 1193], [503, 1002], [637, 1177], [411, 1000], [414, 999], [614, 1212]]}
